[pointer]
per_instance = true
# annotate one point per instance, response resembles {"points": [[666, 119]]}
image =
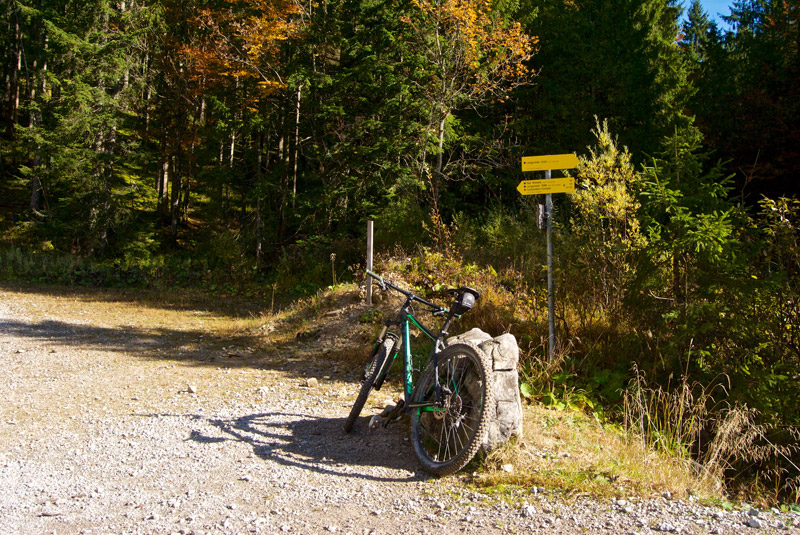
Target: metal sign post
{"points": [[549, 186], [551, 294]]}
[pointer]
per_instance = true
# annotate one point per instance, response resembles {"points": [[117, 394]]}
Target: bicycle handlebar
{"points": [[436, 309]]}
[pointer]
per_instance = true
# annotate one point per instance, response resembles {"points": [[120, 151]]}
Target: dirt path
{"points": [[124, 417], [126, 420]]}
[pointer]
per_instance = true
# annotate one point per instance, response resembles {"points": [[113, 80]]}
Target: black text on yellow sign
{"points": [[547, 185], [549, 162]]}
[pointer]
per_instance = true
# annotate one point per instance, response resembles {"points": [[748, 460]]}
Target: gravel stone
{"points": [[312, 382], [528, 511]]}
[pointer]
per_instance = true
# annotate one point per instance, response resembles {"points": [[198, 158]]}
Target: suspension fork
{"points": [[408, 364], [390, 356]]}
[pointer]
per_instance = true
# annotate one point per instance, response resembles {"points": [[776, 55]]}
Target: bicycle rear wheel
{"points": [[377, 361], [446, 437]]}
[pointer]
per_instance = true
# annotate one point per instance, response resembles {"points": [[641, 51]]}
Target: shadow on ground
{"points": [[170, 299], [319, 444], [192, 346]]}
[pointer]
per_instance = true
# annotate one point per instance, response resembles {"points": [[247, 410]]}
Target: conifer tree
{"points": [[70, 108], [697, 30], [613, 59], [748, 95]]}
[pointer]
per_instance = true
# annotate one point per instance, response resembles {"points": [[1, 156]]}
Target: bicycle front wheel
{"points": [[372, 371], [447, 434]]}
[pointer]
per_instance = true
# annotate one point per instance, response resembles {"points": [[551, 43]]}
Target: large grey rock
{"points": [[506, 413], [502, 351], [476, 336]]}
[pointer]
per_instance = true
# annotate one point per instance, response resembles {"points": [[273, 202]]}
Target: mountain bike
{"points": [[449, 401]]}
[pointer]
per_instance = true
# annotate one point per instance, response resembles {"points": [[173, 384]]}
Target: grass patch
{"points": [[574, 453]]}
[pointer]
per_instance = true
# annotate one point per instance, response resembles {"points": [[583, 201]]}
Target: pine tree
{"points": [[612, 59], [697, 30], [71, 113], [364, 112], [750, 102]]}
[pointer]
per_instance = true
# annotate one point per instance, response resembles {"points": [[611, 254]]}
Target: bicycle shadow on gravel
{"points": [[318, 444]]}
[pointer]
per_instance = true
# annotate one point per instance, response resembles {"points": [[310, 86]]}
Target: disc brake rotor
{"points": [[454, 406], [451, 408]]}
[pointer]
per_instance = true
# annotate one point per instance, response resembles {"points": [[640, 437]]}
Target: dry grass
{"points": [[574, 453]]}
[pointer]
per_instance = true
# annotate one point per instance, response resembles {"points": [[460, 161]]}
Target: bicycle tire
{"points": [[446, 439], [372, 371]]}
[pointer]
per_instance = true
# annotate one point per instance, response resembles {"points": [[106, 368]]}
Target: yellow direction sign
{"points": [[547, 185], [552, 161]]}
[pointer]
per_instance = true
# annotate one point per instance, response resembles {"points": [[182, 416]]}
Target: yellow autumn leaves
{"points": [[494, 49]]}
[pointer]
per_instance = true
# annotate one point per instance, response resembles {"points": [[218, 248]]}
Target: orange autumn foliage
{"points": [[241, 40]]}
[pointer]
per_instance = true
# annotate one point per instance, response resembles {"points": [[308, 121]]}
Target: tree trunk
{"points": [[163, 186], [13, 77], [35, 122], [258, 191], [36, 184], [185, 195], [677, 277], [283, 155], [177, 184], [440, 156], [296, 145], [219, 192], [437, 177]]}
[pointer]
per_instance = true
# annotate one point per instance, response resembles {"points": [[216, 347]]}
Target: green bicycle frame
{"points": [[405, 319], [408, 365]]}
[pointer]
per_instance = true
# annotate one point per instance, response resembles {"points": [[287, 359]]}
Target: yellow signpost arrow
{"points": [[547, 185], [549, 162]]}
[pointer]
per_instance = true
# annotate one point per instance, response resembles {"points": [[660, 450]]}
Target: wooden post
{"points": [[369, 261]]}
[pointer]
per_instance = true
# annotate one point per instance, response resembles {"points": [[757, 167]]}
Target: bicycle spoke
{"points": [[463, 377], [457, 443], [462, 433], [454, 430], [441, 442]]}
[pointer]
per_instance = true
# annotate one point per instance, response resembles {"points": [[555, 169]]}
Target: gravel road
{"points": [[119, 421]]}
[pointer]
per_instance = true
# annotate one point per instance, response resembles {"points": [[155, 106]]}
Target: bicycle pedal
{"points": [[392, 412], [387, 410]]}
